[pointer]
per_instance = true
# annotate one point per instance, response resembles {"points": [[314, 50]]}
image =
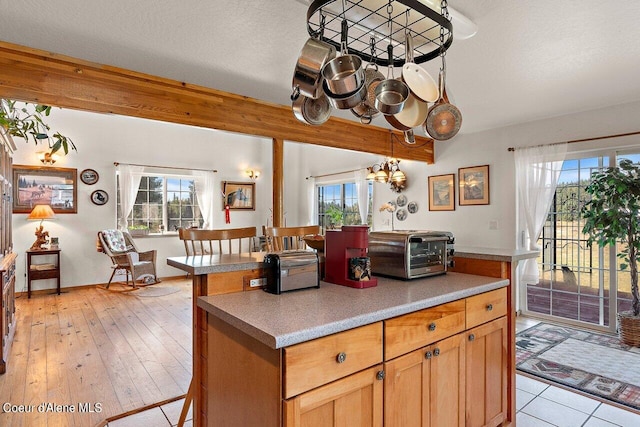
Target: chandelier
{"points": [[388, 172]]}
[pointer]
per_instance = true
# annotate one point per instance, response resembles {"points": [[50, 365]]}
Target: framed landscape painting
{"points": [[474, 185], [442, 193], [35, 185], [239, 195]]}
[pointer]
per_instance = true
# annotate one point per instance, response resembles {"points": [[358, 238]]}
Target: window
{"points": [[338, 204], [164, 202]]}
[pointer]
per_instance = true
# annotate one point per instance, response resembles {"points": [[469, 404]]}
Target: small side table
{"points": [[43, 271]]}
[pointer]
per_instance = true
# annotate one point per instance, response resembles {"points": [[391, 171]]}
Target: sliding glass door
{"points": [[578, 283]]}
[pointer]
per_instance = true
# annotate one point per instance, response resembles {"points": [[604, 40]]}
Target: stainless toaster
{"points": [[291, 270]]}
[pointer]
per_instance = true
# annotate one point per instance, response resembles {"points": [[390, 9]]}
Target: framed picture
{"points": [[442, 193], [474, 185], [89, 176], [35, 185], [239, 195]]}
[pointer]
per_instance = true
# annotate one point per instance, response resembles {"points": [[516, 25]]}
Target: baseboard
{"points": [[71, 288]]}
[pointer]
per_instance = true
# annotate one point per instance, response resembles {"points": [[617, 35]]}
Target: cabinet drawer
{"points": [[414, 330], [485, 307], [320, 361]]}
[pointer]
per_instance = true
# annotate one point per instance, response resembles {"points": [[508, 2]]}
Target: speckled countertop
{"points": [[290, 318], [493, 254], [217, 263]]}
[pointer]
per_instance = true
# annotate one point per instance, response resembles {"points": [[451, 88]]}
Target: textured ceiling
{"points": [[529, 60]]}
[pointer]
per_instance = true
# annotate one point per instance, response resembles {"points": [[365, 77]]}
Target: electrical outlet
{"points": [[385, 221], [256, 283]]}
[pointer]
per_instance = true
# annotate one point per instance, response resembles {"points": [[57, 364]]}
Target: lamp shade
{"points": [[41, 212]]}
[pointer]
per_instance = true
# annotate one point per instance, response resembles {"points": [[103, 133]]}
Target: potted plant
{"points": [[335, 217], [28, 121], [138, 230], [612, 215]]}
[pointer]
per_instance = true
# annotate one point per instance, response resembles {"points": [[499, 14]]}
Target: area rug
{"points": [[593, 363], [154, 291]]}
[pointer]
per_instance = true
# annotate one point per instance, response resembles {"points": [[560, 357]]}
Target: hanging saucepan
{"points": [[343, 74], [391, 94], [444, 119], [311, 111], [420, 82], [307, 76], [415, 109], [347, 101]]}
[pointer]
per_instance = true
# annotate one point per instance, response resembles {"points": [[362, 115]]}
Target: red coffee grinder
{"points": [[346, 257]]}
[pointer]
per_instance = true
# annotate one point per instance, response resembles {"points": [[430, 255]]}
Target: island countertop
{"points": [[294, 317]]}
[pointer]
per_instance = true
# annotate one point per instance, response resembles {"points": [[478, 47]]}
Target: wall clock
{"points": [[99, 197], [89, 176]]}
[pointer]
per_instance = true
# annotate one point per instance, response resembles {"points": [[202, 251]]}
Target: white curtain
{"points": [[362, 190], [206, 195], [537, 173], [311, 201], [130, 177]]}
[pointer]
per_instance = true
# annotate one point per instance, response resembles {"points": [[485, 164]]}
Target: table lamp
{"points": [[41, 212]]}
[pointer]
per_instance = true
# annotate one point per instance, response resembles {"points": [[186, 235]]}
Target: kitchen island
{"points": [[264, 327]]}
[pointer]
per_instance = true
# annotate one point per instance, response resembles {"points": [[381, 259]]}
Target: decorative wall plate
{"points": [[89, 176], [99, 197], [401, 200], [401, 214], [412, 207]]}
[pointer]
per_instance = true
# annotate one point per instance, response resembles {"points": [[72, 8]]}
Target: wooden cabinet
{"points": [[428, 368], [486, 374], [8, 312], [426, 388], [354, 401]]}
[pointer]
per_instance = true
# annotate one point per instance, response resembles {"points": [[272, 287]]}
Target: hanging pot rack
{"points": [[432, 33]]}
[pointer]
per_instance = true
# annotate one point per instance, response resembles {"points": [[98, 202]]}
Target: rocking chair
{"points": [[124, 254]]}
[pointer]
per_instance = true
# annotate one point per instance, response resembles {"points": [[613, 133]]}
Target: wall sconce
{"points": [[253, 174], [47, 158]]}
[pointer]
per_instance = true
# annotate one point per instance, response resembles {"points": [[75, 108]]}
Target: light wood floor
{"points": [[91, 345]]}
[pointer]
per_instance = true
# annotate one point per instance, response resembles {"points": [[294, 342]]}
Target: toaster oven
{"points": [[409, 254]]}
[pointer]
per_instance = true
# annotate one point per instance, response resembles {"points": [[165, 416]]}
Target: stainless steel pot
{"points": [[391, 94], [348, 101], [307, 76], [343, 74]]}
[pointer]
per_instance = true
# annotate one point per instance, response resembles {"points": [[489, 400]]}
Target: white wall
{"points": [[103, 139]]}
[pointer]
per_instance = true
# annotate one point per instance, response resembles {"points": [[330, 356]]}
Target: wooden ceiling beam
{"points": [[38, 76]]}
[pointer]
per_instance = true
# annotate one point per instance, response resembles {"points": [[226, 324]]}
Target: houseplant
{"points": [[612, 215], [27, 121], [335, 217]]}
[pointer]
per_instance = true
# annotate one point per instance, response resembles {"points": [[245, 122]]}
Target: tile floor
{"points": [[538, 404]]}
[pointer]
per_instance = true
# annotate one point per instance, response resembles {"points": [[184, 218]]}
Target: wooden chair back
{"points": [[208, 242], [283, 238]]}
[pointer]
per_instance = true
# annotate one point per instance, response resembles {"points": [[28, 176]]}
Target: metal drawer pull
{"points": [[427, 355], [489, 307], [436, 352], [472, 337], [380, 375], [341, 357], [432, 327]]}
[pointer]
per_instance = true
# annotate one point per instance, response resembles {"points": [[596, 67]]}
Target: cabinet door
{"points": [[353, 401], [486, 353], [426, 388]]}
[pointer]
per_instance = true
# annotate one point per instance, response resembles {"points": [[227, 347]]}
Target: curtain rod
{"points": [[335, 173], [167, 167], [581, 140]]}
